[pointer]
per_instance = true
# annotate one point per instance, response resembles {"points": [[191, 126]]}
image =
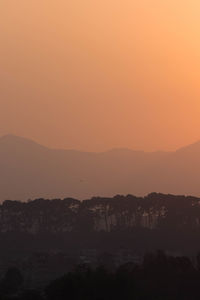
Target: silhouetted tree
{"points": [[11, 282]]}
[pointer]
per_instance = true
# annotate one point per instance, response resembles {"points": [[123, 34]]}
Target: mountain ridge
{"points": [[11, 138], [30, 170]]}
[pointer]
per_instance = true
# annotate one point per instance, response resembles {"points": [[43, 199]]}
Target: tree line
{"points": [[101, 214], [144, 224]]}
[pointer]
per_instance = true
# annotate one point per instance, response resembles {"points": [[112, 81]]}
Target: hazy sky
{"points": [[94, 75]]}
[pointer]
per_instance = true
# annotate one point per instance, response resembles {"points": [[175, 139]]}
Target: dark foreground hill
{"points": [[159, 276], [29, 170]]}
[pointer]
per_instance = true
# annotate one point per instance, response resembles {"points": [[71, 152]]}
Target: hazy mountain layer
{"points": [[29, 170]]}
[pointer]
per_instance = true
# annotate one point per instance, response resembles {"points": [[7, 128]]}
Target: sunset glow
{"points": [[95, 75]]}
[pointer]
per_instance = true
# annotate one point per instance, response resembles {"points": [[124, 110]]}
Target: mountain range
{"points": [[29, 170]]}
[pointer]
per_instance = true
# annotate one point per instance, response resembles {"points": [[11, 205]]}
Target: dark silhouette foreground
{"points": [[160, 277]]}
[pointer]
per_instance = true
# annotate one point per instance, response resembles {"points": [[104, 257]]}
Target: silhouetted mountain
{"points": [[29, 170]]}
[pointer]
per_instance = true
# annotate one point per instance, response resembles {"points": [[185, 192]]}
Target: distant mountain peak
{"points": [[195, 147], [14, 140]]}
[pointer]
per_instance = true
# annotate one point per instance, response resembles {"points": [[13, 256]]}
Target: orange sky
{"points": [[94, 75]]}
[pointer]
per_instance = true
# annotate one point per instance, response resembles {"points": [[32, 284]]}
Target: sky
{"points": [[94, 75]]}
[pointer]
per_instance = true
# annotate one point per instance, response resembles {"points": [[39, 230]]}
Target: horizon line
{"points": [[10, 135]]}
